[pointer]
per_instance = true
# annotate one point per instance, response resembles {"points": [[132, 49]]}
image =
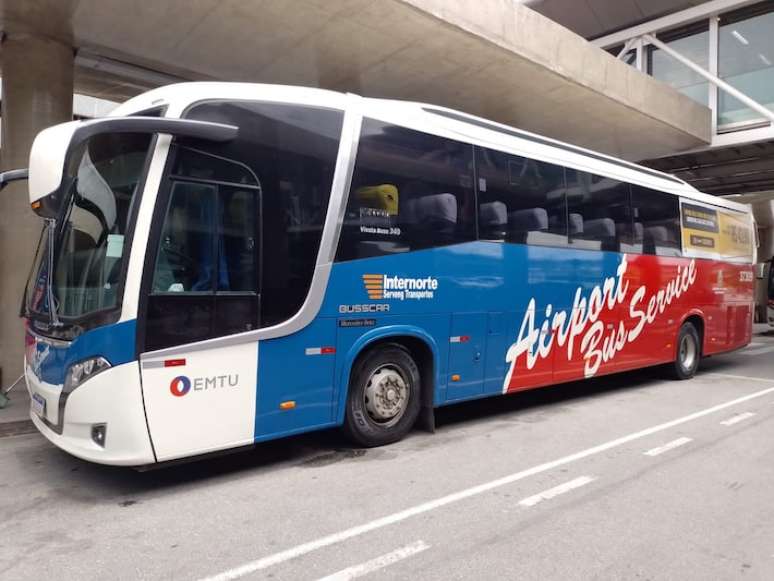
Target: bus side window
{"points": [[656, 219], [599, 211], [410, 191], [520, 200]]}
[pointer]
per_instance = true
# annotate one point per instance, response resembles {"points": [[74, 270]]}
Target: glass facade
{"points": [[745, 57], [665, 68], [737, 46]]}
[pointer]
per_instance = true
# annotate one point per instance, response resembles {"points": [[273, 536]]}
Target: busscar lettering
{"points": [[374, 308], [582, 326]]}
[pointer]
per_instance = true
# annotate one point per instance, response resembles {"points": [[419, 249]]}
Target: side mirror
{"points": [[53, 148]]}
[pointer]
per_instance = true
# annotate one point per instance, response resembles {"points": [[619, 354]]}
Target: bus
{"points": [[224, 264], [770, 295]]}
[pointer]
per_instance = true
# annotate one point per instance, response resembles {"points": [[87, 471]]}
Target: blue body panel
{"points": [[287, 373], [473, 299], [116, 343]]}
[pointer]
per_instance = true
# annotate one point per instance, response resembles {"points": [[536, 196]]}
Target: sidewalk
{"points": [[15, 417]]}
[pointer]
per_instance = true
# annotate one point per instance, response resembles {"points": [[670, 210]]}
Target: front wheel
{"points": [[383, 398], [688, 352]]}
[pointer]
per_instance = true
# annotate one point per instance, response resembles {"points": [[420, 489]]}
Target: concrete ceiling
{"points": [[594, 18], [494, 58], [732, 170]]}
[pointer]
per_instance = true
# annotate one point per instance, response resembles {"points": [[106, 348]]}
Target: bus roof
{"points": [[431, 119]]}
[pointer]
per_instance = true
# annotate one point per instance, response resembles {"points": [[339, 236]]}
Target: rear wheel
{"points": [[383, 398], [688, 352]]}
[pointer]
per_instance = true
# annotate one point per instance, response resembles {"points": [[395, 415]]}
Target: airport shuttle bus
{"points": [[223, 264], [770, 295]]}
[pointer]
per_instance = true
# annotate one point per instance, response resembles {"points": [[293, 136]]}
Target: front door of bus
{"points": [[204, 284]]}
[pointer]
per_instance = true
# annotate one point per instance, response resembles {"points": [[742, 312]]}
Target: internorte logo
{"points": [[181, 384], [384, 286]]}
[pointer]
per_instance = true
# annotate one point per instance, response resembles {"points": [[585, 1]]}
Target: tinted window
{"points": [[771, 280], [520, 200], [656, 222], [192, 258], [410, 191], [205, 281], [292, 152], [598, 212]]}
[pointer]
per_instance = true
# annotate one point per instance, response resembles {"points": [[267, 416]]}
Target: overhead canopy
{"points": [[493, 58]]}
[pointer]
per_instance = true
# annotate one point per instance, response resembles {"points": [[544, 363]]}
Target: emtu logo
{"points": [[180, 386], [374, 284]]}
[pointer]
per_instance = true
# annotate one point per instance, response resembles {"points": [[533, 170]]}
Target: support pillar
{"points": [[37, 92]]}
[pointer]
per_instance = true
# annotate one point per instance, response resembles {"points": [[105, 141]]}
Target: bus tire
{"points": [[688, 352], [384, 396]]}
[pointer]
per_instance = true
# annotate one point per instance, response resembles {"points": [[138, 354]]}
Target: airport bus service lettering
{"points": [[583, 325]]}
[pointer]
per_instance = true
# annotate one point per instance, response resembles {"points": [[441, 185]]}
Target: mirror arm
{"points": [[12, 175]]}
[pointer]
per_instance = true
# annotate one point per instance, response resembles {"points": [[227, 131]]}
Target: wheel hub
{"points": [[687, 352], [386, 395]]}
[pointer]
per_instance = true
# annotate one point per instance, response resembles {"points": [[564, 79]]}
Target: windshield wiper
{"points": [[54, 317]]}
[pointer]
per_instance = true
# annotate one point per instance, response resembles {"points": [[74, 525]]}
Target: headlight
{"points": [[83, 370]]}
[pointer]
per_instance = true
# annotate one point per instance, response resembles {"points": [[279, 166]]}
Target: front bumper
{"points": [[112, 397]]}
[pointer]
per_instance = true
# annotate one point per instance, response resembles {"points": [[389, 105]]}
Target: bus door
{"points": [[467, 347], [202, 283]]}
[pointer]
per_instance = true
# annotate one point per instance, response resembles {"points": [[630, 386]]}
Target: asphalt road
{"points": [[625, 477]]}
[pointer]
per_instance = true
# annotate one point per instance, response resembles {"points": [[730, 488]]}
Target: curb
{"points": [[17, 428]]}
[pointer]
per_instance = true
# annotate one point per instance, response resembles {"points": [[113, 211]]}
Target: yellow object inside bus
{"points": [[382, 197]]}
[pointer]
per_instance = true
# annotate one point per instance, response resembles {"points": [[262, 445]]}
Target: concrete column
{"points": [[37, 92]]}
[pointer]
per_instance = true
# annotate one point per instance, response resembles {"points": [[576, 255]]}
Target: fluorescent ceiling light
{"points": [[764, 60], [738, 36]]}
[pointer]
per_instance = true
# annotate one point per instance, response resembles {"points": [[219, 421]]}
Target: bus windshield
{"points": [[89, 249]]}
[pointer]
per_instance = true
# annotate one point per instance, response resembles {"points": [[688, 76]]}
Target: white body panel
{"points": [[217, 411], [47, 159], [47, 391], [114, 398]]}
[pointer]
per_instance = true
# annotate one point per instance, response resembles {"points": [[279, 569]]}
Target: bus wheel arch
{"points": [[378, 358], [698, 322], [688, 348]]}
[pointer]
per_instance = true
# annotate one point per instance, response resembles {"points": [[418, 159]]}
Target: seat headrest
{"points": [[658, 233], [576, 223], [599, 228], [530, 220], [432, 207], [493, 214]]}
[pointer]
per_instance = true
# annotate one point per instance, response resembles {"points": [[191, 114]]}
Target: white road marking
{"points": [[760, 351], [556, 490], [738, 418], [668, 446], [390, 519], [745, 377], [377, 563]]}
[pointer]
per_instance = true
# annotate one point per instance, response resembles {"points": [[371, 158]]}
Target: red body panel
{"points": [[632, 320]]}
